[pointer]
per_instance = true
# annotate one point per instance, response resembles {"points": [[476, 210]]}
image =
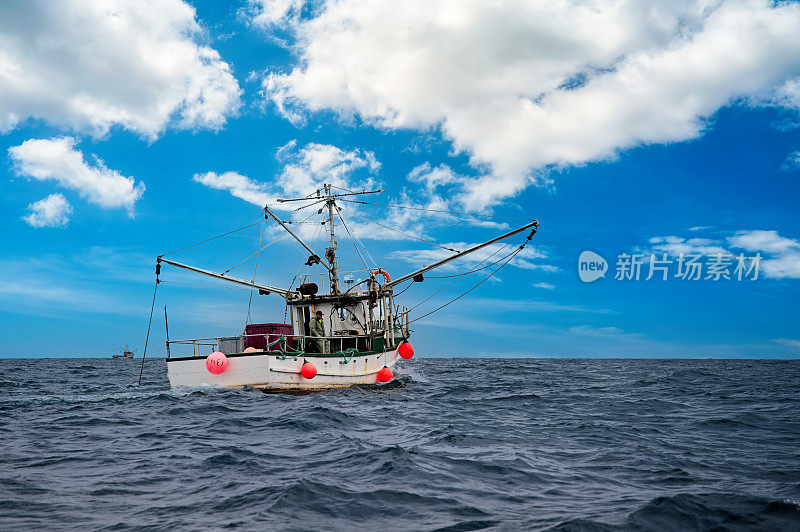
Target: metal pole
{"points": [[280, 222], [411, 275], [251, 285], [333, 269], [166, 328], [280, 200]]}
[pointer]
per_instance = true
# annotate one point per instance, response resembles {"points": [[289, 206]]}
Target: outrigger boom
{"points": [[534, 224], [262, 288], [280, 222]]}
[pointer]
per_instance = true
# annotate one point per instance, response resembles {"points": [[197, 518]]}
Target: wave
{"points": [[709, 511]]}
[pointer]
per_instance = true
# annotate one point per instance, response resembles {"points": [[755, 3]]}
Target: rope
{"points": [[437, 210], [366, 250], [459, 276], [299, 268], [258, 251], [513, 254], [309, 204], [351, 240], [147, 338], [210, 239], [409, 235], [404, 289], [265, 247]]}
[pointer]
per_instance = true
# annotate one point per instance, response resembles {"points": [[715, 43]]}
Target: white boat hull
{"points": [[278, 373]]}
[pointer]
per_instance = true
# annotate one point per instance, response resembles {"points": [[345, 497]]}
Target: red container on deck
{"points": [[268, 333]]}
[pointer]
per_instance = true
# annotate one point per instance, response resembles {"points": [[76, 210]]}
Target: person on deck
{"points": [[317, 328]]}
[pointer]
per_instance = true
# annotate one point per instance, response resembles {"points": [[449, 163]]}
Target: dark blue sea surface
{"points": [[452, 444]]}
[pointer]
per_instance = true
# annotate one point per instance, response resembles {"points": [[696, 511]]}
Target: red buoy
{"points": [[216, 362], [405, 350], [385, 375], [308, 371]]}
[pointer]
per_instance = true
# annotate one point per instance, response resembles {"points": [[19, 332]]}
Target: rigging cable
{"points": [[265, 247], [366, 250], [314, 249], [351, 239], [209, 239], [395, 206], [409, 235], [512, 255], [257, 252], [404, 289], [309, 204], [149, 322], [459, 276]]}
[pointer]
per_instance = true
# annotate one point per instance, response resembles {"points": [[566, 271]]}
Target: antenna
{"points": [[330, 201]]}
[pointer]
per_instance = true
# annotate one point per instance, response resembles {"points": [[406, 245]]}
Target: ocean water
{"points": [[452, 444]]}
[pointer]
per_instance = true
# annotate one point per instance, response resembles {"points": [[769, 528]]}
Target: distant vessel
{"points": [[126, 353], [365, 332]]}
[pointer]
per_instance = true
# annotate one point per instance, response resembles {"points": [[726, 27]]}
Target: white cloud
{"points": [[308, 168], [788, 342], [268, 13], [768, 241], [433, 178], [523, 86], [545, 286], [780, 256], [792, 161], [238, 185], [604, 332], [89, 65], [52, 211], [304, 171], [783, 253], [57, 160], [674, 245]]}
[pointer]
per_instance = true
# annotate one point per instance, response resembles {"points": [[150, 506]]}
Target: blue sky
{"points": [[634, 139]]}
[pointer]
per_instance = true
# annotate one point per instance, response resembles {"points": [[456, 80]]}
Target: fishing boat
{"points": [[364, 331], [126, 353]]}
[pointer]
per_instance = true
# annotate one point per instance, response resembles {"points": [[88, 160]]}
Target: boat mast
{"points": [[330, 253]]}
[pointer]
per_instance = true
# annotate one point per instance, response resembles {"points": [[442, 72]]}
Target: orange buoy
{"points": [[216, 362], [308, 371], [405, 350], [250, 350], [385, 375]]}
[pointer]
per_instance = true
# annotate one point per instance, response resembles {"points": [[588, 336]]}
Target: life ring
{"points": [[386, 277]]}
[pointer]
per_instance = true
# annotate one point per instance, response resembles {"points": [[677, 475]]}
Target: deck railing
{"points": [[282, 343]]}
